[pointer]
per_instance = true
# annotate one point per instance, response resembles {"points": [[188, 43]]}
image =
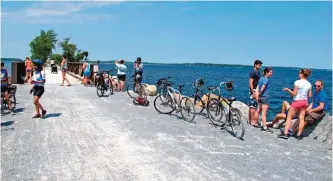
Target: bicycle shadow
{"points": [[6, 124]]}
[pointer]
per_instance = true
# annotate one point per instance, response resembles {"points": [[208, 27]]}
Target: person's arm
{"points": [[62, 63], [310, 93], [291, 92], [310, 106], [25, 63]]}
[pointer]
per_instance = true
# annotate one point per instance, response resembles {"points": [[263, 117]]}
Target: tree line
{"points": [[42, 47]]}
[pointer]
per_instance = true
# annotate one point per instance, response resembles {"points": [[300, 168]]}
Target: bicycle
{"points": [[173, 102], [133, 90], [104, 83], [12, 99], [198, 102], [233, 115]]}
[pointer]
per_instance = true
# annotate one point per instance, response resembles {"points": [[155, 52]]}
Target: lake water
{"points": [[184, 74], [187, 74]]}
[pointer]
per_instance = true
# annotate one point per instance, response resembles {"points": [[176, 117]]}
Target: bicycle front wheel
{"points": [[215, 112], [132, 91], [163, 103], [99, 89], [187, 109], [12, 99], [236, 123]]}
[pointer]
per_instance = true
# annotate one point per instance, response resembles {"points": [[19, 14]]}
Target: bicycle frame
{"points": [[171, 92]]}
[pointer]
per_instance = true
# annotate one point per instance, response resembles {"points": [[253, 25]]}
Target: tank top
{"points": [[65, 65], [29, 66]]}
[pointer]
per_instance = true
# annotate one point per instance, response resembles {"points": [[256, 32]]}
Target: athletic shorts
{"points": [[264, 100], [64, 70], [4, 89], [28, 70], [252, 102], [86, 74], [38, 91], [299, 104], [122, 77]]}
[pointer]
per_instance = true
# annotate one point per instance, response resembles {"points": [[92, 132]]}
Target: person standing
{"points": [[121, 74], [301, 93], [28, 69], [86, 72], [253, 83], [64, 69], [38, 88], [263, 98], [4, 85]]}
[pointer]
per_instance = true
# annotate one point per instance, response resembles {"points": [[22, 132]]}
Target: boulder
{"points": [[151, 90]]}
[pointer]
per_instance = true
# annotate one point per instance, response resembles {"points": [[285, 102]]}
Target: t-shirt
{"points": [[138, 69], [318, 97], [121, 69], [303, 87], [38, 76], [264, 81], [255, 75], [4, 77]]}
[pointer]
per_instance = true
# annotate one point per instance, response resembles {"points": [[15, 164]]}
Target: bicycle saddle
{"points": [[211, 87], [230, 99]]}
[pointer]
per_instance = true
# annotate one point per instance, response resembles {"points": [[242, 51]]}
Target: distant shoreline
{"points": [[185, 64]]}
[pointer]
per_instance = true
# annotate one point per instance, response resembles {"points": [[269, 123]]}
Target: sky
{"points": [[278, 33]]}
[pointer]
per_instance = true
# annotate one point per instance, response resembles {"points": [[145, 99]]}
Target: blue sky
{"points": [[278, 33]]}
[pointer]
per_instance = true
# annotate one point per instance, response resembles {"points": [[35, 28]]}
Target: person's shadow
{"points": [[52, 115], [6, 124]]}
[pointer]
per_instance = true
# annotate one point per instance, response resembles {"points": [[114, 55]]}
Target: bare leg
{"points": [[63, 77], [285, 106], [291, 112], [36, 102], [8, 101], [264, 108], [301, 122]]}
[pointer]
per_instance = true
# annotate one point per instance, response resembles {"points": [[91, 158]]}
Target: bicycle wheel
{"points": [[131, 91], [215, 112], [12, 99], [164, 101], [187, 109], [99, 89], [199, 105], [236, 123]]}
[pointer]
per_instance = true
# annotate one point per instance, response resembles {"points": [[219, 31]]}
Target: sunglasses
{"points": [[317, 85]]}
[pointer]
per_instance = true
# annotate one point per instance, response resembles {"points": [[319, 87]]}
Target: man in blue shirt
{"points": [[253, 93], [316, 110]]}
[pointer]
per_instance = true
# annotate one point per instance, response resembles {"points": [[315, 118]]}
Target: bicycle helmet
{"points": [[229, 86]]}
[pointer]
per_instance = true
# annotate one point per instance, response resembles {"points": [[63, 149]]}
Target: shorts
{"points": [[121, 77], [4, 89], [264, 100], [314, 116], [38, 91], [86, 74], [299, 104], [253, 102], [28, 70], [64, 70]]}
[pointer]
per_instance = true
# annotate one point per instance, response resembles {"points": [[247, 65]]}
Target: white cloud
{"points": [[58, 12]]}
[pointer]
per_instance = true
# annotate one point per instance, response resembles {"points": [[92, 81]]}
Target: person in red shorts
{"points": [[301, 93]]}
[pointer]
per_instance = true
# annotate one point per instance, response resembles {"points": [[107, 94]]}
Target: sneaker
{"points": [[36, 116], [266, 130], [299, 138], [283, 136], [43, 113]]}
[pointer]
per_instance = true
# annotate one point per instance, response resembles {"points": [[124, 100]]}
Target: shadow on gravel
{"points": [[19, 110], [52, 115], [5, 124]]}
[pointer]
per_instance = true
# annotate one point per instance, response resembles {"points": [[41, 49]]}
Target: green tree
{"points": [[68, 48], [57, 58], [80, 55], [41, 46]]}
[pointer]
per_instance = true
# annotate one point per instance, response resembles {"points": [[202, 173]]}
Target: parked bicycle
{"points": [[199, 104], [223, 106], [12, 99], [139, 89], [173, 100], [103, 83]]}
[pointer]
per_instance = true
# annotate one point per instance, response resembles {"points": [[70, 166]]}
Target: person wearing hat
{"points": [[38, 87], [4, 84]]}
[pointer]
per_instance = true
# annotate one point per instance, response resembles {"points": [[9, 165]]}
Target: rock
{"points": [[321, 131], [151, 90]]}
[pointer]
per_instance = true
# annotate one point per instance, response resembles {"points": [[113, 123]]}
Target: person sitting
{"points": [[317, 109], [280, 116], [4, 85]]}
